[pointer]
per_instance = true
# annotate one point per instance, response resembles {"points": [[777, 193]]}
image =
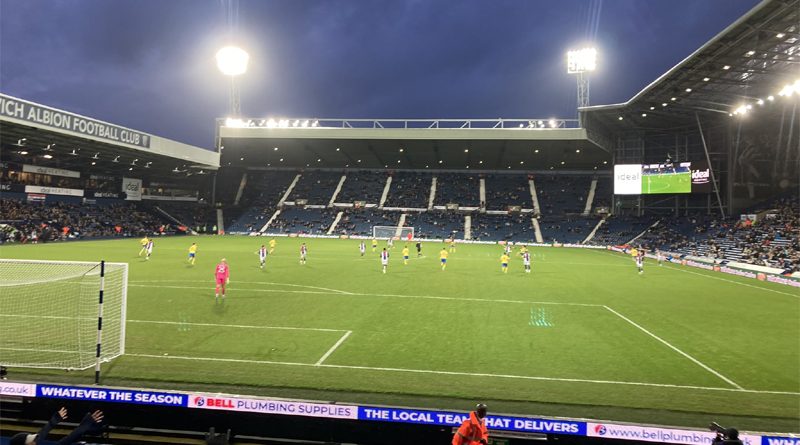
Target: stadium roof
{"points": [[498, 144], [31, 133], [745, 64]]}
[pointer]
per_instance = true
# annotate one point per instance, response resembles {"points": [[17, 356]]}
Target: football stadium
{"points": [[627, 274]]}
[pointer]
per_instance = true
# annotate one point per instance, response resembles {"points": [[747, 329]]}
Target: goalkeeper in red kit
{"points": [[222, 275]]}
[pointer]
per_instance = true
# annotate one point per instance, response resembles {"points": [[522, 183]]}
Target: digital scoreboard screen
{"points": [[661, 179]]}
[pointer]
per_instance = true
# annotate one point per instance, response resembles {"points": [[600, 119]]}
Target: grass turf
{"points": [[584, 335]]}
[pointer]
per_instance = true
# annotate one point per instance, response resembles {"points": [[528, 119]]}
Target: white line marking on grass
{"points": [[462, 374], [241, 326], [250, 282], [333, 348], [357, 294], [698, 362], [681, 269], [48, 317]]}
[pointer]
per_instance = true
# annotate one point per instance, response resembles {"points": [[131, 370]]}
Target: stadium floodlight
{"points": [[232, 61], [581, 60]]}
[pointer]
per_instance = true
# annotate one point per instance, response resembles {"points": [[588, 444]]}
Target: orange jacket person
{"points": [[473, 431]]}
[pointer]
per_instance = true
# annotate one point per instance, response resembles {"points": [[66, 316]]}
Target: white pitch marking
{"points": [[333, 348], [464, 374], [712, 277], [251, 282], [242, 326], [698, 362], [356, 294]]}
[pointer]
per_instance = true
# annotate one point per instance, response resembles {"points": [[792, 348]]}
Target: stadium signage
{"points": [[17, 389], [450, 418], [53, 190], [30, 112], [111, 395], [132, 188], [374, 413], [660, 435], [38, 169], [265, 406]]}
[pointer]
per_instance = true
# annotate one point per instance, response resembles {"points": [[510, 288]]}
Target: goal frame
{"points": [[396, 232], [101, 266]]}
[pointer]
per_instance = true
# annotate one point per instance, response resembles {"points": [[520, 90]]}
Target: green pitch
{"points": [[583, 335], [667, 183]]}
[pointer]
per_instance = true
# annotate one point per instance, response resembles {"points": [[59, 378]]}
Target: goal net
{"points": [[394, 232], [49, 313]]}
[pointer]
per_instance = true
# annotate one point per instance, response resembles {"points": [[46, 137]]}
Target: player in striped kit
{"points": [[362, 247], [303, 253], [149, 248], [262, 255], [526, 260], [384, 259]]}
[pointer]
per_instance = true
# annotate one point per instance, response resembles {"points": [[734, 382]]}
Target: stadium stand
{"points": [[260, 198], [503, 191], [29, 222], [360, 221], [437, 224], [460, 188], [409, 190], [562, 194], [316, 187], [511, 227], [362, 186], [303, 221]]}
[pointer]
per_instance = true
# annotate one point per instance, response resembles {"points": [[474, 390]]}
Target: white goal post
{"points": [[393, 232], [61, 314]]}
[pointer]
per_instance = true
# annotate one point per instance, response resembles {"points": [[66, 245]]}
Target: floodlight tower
{"points": [[232, 62], [582, 62]]}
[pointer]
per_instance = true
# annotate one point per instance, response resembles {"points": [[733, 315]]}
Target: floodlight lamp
{"points": [[235, 123], [232, 61], [581, 60]]}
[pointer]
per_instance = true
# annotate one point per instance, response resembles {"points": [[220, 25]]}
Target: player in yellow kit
{"points": [[272, 243], [192, 253], [374, 244], [504, 263], [452, 245], [143, 242], [443, 258], [405, 255]]}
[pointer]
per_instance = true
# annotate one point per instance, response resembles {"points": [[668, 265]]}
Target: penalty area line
{"points": [[669, 345], [241, 326], [333, 348], [358, 294], [460, 374]]}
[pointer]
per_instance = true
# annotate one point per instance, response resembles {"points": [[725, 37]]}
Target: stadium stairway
{"points": [[240, 191], [432, 194], [590, 198], [481, 196], [338, 189], [400, 225], [173, 219], [288, 191], [536, 209], [537, 231], [385, 191], [594, 231], [468, 223], [337, 219], [269, 221]]}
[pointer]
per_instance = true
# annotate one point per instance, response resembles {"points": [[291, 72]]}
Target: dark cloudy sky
{"points": [[148, 64]]}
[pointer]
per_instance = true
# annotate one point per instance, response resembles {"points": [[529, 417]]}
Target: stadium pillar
{"points": [[710, 167]]}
